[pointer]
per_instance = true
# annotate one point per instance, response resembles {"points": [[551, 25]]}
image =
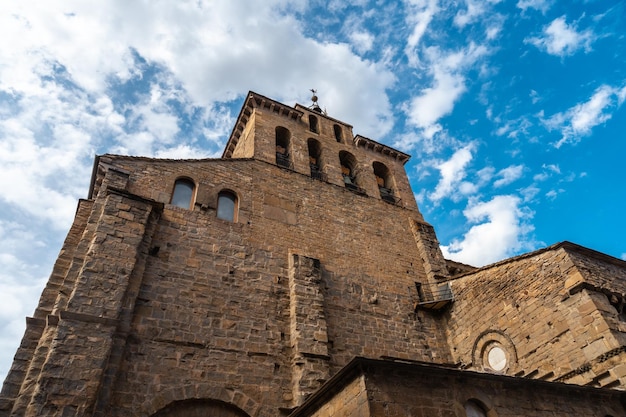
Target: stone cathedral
{"points": [[295, 276]]}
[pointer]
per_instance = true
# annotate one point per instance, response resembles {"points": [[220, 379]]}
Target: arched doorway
{"points": [[200, 408]]}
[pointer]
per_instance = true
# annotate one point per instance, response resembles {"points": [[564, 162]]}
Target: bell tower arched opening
{"points": [[283, 146], [385, 182], [315, 159]]}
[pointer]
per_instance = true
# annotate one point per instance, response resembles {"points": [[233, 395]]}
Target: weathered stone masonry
{"points": [[550, 313], [158, 310], [308, 330], [78, 339]]}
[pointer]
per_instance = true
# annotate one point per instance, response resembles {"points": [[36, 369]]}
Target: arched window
{"points": [[348, 171], [385, 182], [183, 193], [315, 162], [283, 139], [474, 408], [227, 206], [313, 124], [338, 133]]}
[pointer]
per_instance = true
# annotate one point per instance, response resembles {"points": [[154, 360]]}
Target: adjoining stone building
{"points": [[246, 286], [374, 387]]}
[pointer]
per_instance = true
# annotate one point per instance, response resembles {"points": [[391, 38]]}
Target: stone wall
{"points": [[215, 301], [377, 388], [78, 341], [604, 279], [534, 309], [211, 306], [351, 401], [151, 307], [400, 393]]}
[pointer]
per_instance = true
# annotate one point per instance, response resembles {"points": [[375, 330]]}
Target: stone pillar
{"points": [[428, 249], [35, 326], [74, 351], [21, 361], [65, 259], [309, 333]]}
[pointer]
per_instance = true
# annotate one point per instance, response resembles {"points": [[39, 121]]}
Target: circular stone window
{"points": [[494, 351], [496, 358]]}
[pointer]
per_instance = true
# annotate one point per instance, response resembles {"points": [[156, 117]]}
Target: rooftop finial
{"points": [[315, 106]]}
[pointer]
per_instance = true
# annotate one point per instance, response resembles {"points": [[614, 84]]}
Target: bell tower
{"points": [[308, 141]]}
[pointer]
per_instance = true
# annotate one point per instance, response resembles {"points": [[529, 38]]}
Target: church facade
{"points": [[295, 275]]}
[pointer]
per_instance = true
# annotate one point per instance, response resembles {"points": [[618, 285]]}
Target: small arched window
{"points": [[315, 161], [338, 133], [283, 141], [313, 126], [385, 182], [183, 193], [227, 206], [474, 408]]}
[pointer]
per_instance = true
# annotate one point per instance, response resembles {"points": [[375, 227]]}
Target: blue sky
{"points": [[513, 111]]}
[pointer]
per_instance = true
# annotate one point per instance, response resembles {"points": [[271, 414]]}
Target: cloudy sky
{"points": [[513, 111]]}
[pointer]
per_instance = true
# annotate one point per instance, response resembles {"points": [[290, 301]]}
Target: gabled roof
{"points": [[598, 271], [568, 246]]}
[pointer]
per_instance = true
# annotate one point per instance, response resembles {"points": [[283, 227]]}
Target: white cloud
{"points": [[209, 47], [475, 9], [623, 256], [436, 101], [493, 31], [485, 175], [50, 136], [561, 39], [514, 129], [430, 139], [467, 16], [362, 41], [503, 130], [553, 194], [499, 230], [154, 117], [338, 5], [552, 168], [589, 114], [448, 84], [529, 193], [534, 96], [420, 14], [621, 95], [541, 5], [453, 171], [578, 121], [465, 188], [548, 170], [509, 175]]}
